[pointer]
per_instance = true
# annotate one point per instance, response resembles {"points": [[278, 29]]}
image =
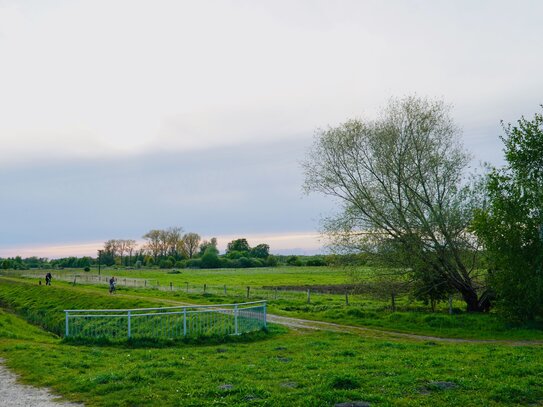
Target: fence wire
{"points": [[169, 322]]}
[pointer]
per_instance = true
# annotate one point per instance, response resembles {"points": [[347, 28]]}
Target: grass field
{"points": [[267, 276], [278, 368], [363, 310]]}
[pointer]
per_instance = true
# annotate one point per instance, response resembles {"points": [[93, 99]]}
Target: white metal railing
{"points": [[167, 322]]}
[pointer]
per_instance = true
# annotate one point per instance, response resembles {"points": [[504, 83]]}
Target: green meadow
{"points": [[363, 309], [277, 367]]}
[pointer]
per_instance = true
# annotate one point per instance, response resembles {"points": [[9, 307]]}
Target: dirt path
{"points": [[298, 323], [13, 394]]}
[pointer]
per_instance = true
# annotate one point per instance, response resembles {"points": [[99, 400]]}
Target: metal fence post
{"points": [[236, 319], [184, 321], [67, 328], [129, 328]]}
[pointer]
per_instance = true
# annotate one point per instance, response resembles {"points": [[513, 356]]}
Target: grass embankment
{"points": [[44, 306], [363, 310], [410, 317], [282, 368]]}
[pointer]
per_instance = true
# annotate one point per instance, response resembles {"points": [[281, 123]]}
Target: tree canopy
{"points": [[510, 225], [399, 180]]}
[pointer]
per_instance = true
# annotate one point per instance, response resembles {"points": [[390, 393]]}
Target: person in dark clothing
{"points": [[48, 278], [112, 283]]}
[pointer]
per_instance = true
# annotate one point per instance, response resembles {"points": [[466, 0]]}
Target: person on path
{"points": [[112, 283], [48, 278]]}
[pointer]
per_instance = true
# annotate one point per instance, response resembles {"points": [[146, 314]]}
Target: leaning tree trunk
{"points": [[473, 302]]}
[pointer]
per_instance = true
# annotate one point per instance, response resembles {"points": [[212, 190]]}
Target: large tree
{"points": [[399, 180], [511, 223], [189, 244], [154, 242]]}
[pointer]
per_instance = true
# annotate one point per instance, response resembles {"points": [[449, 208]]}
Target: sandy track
{"points": [[298, 323], [13, 394]]}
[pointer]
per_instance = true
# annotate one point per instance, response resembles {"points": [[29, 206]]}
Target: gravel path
{"points": [[299, 323], [330, 326], [13, 394]]}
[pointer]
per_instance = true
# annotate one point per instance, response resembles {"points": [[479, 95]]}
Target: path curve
{"points": [[13, 394], [299, 323]]}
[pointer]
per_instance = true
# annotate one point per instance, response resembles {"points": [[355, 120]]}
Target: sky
{"points": [[118, 117]]}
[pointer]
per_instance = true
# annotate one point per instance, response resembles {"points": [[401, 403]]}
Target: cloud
{"points": [[85, 79], [126, 115], [247, 189]]}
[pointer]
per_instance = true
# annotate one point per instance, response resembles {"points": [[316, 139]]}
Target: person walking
{"points": [[48, 278], [112, 283]]}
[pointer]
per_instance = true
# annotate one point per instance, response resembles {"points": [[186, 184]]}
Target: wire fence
{"points": [[342, 293], [298, 294], [167, 322], [372, 295]]}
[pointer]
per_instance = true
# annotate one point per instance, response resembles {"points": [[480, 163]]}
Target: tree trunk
{"points": [[472, 300]]}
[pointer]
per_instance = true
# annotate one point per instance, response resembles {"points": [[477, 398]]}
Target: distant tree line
{"points": [[171, 248]]}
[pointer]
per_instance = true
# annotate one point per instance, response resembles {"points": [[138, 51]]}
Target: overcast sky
{"points": [[117, 117]]}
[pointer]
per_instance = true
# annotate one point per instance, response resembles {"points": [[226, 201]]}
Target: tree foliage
{"points": [[511, 223], [399, 179], [238, 245]]}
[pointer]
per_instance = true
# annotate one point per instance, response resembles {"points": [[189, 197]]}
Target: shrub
{"points": [[316, 262], [194, 264], [271, 261], [166, 264]]}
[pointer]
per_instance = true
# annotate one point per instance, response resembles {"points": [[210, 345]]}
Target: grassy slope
{"points": [[286, 368], [44, 305], [282, 368], [360, 312]]}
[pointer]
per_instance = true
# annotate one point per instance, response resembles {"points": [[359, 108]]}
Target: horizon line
{"points": [[303, 241]]}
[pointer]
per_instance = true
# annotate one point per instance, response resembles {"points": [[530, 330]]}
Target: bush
{"points": [[235, 254], [271, 261], [316, 262], [245, 262], [87, 269], [210, 259], [193, 264], [227, 263], [165, 264]]}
